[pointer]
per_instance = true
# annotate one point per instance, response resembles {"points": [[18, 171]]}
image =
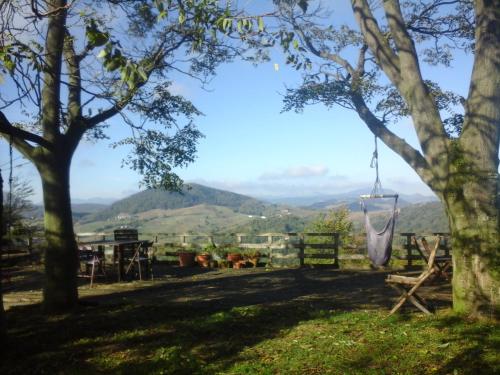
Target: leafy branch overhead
{"points": [[337, 64], [114, 58]]}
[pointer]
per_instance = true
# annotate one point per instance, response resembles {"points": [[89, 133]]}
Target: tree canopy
{"points": [[72, 67]]}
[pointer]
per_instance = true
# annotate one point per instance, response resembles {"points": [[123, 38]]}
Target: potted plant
{"points": [[253, 256], [203, 259], [234, 257], [186, 257], [218, 253]]}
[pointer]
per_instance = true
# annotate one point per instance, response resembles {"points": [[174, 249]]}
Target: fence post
{"points": [[302, 247], [409, 248], [336, 241]]}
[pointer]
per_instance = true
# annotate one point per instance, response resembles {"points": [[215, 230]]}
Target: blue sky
{"points": [[252, 148]]}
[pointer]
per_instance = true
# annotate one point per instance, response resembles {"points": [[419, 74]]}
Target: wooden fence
{"points": [[288, 249]]}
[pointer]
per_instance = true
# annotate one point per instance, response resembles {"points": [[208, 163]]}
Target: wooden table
{"points": [[118, 251]]}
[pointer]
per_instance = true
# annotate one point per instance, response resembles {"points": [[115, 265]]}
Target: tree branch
{"points": [[481, 130], [20, 137], [423, 109], [51, 104], [76, 125], [395, 143], [158, 56], [376, 41], [323, 54], [74, 80]]}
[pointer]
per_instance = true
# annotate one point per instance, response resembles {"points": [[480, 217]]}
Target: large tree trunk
{"points": [[3, 322], [61, 257], [473, 215]]}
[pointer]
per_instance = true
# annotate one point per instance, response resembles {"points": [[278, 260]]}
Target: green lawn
{"points": [[173, 328]]}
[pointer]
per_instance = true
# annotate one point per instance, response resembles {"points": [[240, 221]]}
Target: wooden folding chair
{"points": [[140, 257], [97, 264], [408, 285], [441, 264]]}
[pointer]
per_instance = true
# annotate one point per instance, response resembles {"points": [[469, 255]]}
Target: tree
{"points": [[18, 205], [3, 323], [335, 221], [81, 64], [375, 69]]}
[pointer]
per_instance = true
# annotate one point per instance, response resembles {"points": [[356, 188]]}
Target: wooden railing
{"points": [[288, 249]]}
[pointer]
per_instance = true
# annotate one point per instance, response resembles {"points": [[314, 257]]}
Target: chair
{"points": [[94, 262], [442, 264], [97, 264], [408, 285], [140, 257]]}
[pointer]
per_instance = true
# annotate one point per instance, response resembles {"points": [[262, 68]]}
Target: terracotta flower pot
{"points": [[186, 259], [254, 260], [234, 257], [203, 260]]}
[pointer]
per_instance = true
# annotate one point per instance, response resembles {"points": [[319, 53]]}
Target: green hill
{"points": [[192, 195], [418, 218], [200, 209]]}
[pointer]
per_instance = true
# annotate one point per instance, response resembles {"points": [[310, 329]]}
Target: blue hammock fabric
{"points": [[379, 244]]}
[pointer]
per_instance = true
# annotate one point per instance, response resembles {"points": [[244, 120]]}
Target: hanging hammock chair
{"points": [[379, 244]]}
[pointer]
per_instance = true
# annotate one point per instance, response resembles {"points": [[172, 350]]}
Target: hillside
{"points": [[202, 209], [350, 199], [418, 218], [192, 195], [195, 219]]}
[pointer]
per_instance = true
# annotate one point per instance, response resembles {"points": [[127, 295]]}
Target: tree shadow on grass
{"points": [[184, 326], [483, 340]]}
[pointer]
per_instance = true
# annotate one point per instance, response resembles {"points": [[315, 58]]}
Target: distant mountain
{"points": [[86, 208], [95, 200], [191, 195], [200, 209], [322, 201], [297, 201], [80, 210], [351, 200], [423, 218], [418, 218]]}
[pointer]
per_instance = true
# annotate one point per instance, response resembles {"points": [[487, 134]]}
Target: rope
{"points": [[377, 186]]}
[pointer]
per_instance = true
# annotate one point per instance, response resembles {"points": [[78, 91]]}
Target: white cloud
{"points": [[179, 88], [297, 172], [259, 188]]}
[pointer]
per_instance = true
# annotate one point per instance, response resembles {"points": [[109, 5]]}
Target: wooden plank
{"points": [[285, 256], [312, 246], [352, 257], [319, 256]]}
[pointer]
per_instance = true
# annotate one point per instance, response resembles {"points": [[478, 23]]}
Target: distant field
{"points": [[201, 218]]}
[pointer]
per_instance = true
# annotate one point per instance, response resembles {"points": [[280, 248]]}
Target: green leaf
{"points": [[227, 23], [303, 5], [261, 24], [142, 73], [295, 44], [182, 16], [102, 53], [163, 14]]}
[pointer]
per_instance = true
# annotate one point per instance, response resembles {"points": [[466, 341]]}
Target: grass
{"points": [[167, 329]]}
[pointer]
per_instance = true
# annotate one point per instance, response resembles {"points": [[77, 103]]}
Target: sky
{"points": [[251, 148]]}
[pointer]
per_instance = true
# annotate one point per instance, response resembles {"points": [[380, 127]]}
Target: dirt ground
{"points": [[209, 289]]}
